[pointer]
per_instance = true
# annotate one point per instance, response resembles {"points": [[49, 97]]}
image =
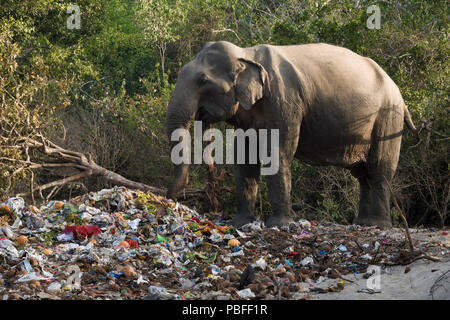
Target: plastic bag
{"points": [[35, 276], [246, 293], [82, 231]]}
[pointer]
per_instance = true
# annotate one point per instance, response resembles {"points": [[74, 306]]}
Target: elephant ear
{"points": [[251, 83]]}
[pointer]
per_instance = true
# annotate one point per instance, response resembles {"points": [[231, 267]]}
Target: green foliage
{"points": [[50, 236], [120, 52], [73, 218], [146, 201]]}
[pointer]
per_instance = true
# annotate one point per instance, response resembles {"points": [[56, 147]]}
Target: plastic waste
{"points": [[134, 224], [54, 287], [215, 270], [65, 237], [261, 263], [307, 261], [6, 231], [239, 253], [17, 205], [303, 235], [215, 237], [245, 293], [160, 293], [304, 224], [5, 243], [187, 284], [140, 238], [132, 243], [252, 226], [82, 231], [376, 245], [35, 276]]}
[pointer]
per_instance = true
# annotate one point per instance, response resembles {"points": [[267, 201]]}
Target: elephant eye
{"points": [[202, 81]]}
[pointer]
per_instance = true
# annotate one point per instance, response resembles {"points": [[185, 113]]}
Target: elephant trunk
{"points": [[180, 111]]}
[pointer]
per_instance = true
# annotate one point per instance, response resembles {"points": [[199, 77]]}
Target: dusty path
{"points": [[425, 281]]}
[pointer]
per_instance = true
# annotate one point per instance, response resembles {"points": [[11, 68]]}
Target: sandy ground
{"points": [[425, 281]]}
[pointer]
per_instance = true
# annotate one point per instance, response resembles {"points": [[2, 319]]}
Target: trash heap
{"points": [[125, 244]]}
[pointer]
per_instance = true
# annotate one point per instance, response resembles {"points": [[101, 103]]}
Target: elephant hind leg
{"points": [[374, 203], [374, 208]]}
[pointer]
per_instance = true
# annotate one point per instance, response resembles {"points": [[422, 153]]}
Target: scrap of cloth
{"points": [[82, 231]]}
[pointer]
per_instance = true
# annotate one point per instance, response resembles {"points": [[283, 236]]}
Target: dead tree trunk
{"points": [[55, 156]]}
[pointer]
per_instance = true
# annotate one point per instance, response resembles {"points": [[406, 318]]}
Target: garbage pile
{"points": [[126, 244]]}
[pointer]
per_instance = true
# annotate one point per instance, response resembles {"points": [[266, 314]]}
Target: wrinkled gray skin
{"points": [[331, 106]]}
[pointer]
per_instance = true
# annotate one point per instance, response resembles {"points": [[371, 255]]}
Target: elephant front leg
{"points": [[279, 194], [247, 177]]}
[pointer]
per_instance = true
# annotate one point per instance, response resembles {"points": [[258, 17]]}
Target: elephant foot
{"points": [[277, 220], [239, 220], [380, 222]]}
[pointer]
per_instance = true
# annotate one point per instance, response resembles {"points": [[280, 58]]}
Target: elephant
{"points": [[330, 105]]}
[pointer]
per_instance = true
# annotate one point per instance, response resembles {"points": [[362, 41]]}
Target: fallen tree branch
{"points": [[59, 182], [58, 157]]}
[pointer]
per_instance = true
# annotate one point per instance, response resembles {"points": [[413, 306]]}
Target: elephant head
{"points": [[220, 80]]}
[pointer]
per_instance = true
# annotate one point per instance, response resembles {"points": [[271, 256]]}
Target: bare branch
{"points": [[227, 30], [411, 246]]}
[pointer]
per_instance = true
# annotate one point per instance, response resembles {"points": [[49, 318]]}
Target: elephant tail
{"points": [[408, 120]]}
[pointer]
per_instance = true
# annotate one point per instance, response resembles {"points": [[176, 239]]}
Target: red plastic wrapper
{"points": [[133, 243], [82, 231]]}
